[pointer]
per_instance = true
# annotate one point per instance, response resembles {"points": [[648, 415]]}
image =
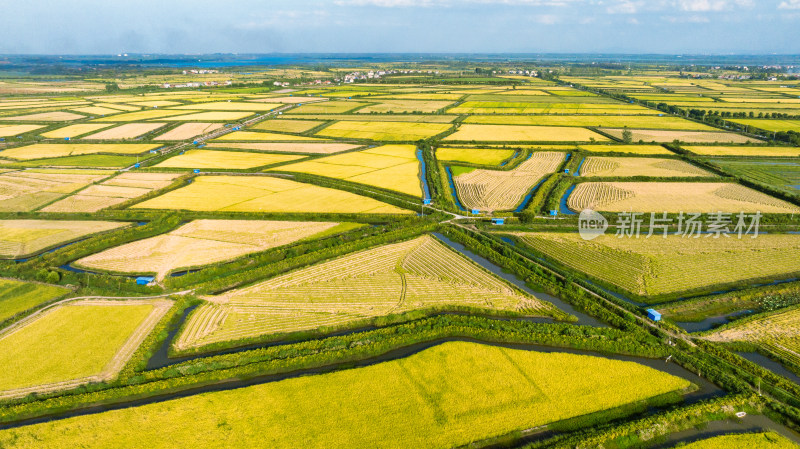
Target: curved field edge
{"points": [[443, 406]]}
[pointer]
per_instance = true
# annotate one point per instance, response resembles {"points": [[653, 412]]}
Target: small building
{"points": [[136, 165], [653, 315], [194, 142], [196, 170], [475, 212], [426, 201], [66, 138], [498, 221], [566, 170], [144, 280], [553, 213]]}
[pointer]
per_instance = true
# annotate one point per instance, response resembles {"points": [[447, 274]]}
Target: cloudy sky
{"points": [[528, 26]]}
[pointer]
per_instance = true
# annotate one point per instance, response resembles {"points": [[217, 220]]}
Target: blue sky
{"points": [[529, 26]]}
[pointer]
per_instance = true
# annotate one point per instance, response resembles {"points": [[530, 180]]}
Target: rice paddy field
{"points": [[265, 194], [21, 238], [28, 190], [74, 343], [328, 107], [490, 190], [438, 118], [644, 121], [111, 192], [288, 126], [404, 106], [188, 131], [74, 130], [645, 135], [489, 107], [149, 114], [674, 197], [480, 156], [517, 133], [210, 116], [738, 150], [657, 266], [770, 125], [641, 150], [639, 166], [392, 167], [410, 402], [763, 440], [230, 106], [255, 136], [240, 160], [776, 332], [204, 242], [126, 131], [17, 297], [383, 131], [58, 116], [14, 130], [52, 150], [289, 147], [780, 173]]}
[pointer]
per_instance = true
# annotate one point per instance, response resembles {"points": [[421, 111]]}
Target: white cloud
{"points": [[449, 3], [625, 7], [713, 5], [790, 4]]}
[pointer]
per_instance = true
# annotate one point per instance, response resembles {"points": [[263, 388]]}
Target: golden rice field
{"points": [[17, 297], [126, 131], [740, 151], [21, 238], [482, 156], [244, 136], [50, 150], [154, 103], [74, 344], [238, 160], [58, 116], [665, 136], [404, 106], [188, 131], [674, 197], [515, 133], [639, 166], [203, 242], [211, 116], [383, 131], [488, 107], [230, 106], [25, 191], [299, 147], [491, 190], [288, 126], [14, 130], [657, 265], [288, 100], [96, 110], [393, 167], [430, 118], [121, 107], [421, 273], [778, 332], [140, 115], [111, 192], [613, 121], [265, 194], [328, 107], [765, 440], [770, 125], [74, 130], [416, 401], [632, 149]]}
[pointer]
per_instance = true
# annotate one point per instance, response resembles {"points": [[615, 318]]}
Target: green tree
{"points": [[627, 135], [53, 277]]}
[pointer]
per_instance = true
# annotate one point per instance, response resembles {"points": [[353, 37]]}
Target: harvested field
{"points": [[515, 133], [57, 116], [405, 106], [416, 274], [14, 130], [265, 194], [238, 160], [111, 192], [256, 136], [777, 332], [674, 197], [383, 131], [25, 191], [640, 121], [21, 238], [188, 131], [645, 135], [214, 116], [632, 149], [657, 265], [640, 166], [481, 156], [74, 130], [47, 150], [89, 160], [155, 103], [140, 115], [96, 110], [17, 297], [328, 107], [126, 131], [304, 148], [288, 126], [741, 151], [289, 100], [74, 343], [393, 167], [492, 190], [203, 242], [230, 106], [416, 401]]}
